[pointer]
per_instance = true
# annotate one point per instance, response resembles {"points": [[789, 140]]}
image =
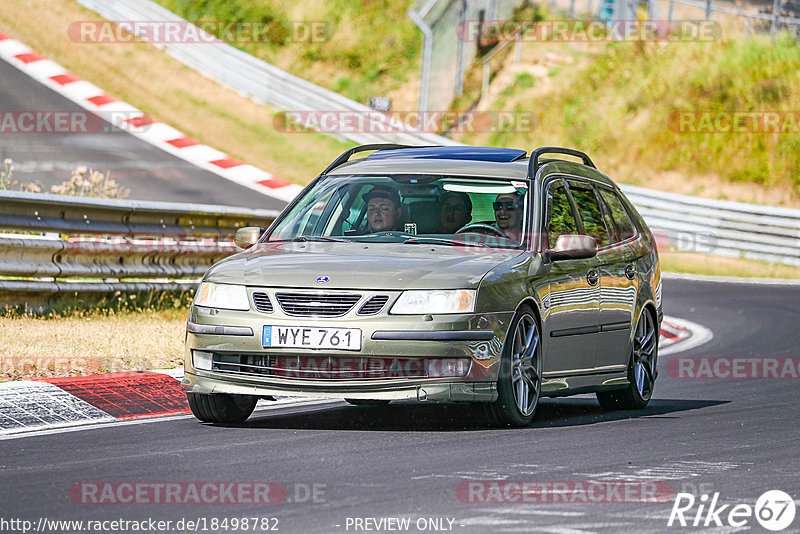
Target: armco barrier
{"points": [[720, 227], [56, 243], [102, 244]]}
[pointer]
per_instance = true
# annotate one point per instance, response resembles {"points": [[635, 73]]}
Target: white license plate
{"points": [[311, 337]]}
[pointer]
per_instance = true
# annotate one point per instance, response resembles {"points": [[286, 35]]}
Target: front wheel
{"points": [[520, 383], [222, 407], [641, 370]]}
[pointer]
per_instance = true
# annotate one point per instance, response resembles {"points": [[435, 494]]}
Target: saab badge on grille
{"points": [[322, 279]]}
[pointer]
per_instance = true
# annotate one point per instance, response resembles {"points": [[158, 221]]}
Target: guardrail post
{"points": [[669, 12], [708, 9], [462, 38], [776, 10], [487, 72], [571, 13]]}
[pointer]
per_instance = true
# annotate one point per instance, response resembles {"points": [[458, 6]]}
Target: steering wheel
{"points": [[481, 228]]}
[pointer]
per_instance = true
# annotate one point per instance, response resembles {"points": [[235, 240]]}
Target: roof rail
{"points": [[533, 162], [345, 157]]}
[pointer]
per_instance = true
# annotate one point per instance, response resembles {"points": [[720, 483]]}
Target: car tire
{"points": [[519, 385], [367, 402], [641, 369], [222, 407]]}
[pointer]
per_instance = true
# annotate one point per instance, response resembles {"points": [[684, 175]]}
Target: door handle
{"points": [[593, 276], [630, 271]]}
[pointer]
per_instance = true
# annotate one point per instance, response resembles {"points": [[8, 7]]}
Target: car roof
{"points": [[517, 169], [463, 161]]}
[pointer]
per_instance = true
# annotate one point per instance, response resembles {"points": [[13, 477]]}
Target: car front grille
{"points": [[338, 367], [374, 305], [316, 304], [262, 302]]}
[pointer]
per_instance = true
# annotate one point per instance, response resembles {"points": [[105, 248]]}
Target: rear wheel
{"points": [[222, 407], [641, 370], [367, 402], [520, 382]]}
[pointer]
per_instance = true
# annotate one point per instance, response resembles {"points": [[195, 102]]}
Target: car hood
{"points": [[380, 266]]}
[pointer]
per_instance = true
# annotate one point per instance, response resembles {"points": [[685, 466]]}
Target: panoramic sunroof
{"points": [[497, 155]]}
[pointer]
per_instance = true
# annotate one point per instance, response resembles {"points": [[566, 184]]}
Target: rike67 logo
{"points": [[774, 510]]}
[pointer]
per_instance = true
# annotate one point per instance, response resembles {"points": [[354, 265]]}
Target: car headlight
{"points": [[225, 296], [432, 302]]}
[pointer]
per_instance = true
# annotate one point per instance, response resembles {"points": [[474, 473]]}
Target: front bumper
{"points": [[454, 391], [477, 338]]}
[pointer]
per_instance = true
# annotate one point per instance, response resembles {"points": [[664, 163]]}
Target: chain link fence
{"points": [[447, 49], [757, 16]]}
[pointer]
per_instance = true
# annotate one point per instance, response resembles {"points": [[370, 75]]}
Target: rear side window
{"points": [[625, 229], [560, 219], [589, 212]]}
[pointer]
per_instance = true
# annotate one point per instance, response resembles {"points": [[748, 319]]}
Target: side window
{"points": [[613, 231], [589, 211], [560, 219], [619, 214]]}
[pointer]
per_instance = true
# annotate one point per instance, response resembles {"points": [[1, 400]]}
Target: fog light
{"points": [[444, 367], [202, 360]]}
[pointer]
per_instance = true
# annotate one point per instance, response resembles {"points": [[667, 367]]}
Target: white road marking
{"points": [[700, 336], [276, 405]]}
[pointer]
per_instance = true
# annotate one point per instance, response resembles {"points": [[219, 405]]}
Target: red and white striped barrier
{"points": [[137, 123]]}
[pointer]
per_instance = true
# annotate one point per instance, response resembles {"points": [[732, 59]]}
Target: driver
{"points": [[456, 211], [508, 214], [383, 208]]}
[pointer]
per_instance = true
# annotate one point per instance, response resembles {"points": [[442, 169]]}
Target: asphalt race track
{"points": [[148, 172], [700, 436]]}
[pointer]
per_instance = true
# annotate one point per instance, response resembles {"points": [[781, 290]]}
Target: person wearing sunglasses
{"points": [[508, 214]]}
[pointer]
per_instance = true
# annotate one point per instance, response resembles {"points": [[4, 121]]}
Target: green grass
{"points": [[366, 48], [705, 264]]}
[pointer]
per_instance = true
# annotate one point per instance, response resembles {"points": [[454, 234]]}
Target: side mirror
{"points": [[572, 247], [248, 236]]}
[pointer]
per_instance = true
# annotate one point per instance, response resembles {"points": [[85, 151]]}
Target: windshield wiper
{"points": [[440, 240], [304, 238]]}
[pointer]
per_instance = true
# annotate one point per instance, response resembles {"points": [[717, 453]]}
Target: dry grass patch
{"points": [[693, 263], [151, 80], [88, 343]]}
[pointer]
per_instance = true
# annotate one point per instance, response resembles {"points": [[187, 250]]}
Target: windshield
{"points": [[412, 209]]}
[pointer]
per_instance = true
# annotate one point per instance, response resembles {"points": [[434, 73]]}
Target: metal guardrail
{"points": [[720, 227], [97, 246], [100, 246], [257, 79]]}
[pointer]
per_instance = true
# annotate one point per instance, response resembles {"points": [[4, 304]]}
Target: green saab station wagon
{"points": [[460, 274]]}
